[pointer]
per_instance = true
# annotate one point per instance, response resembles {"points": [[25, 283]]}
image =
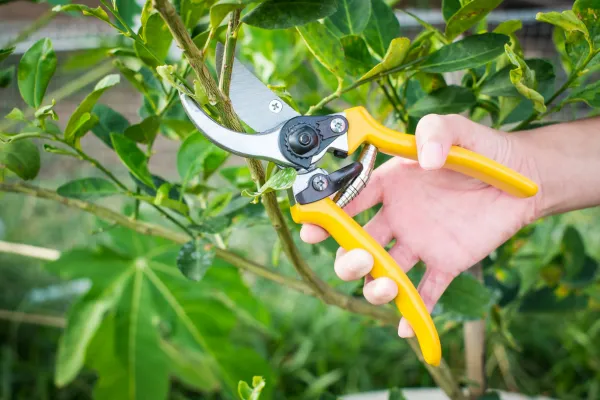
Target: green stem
{"points": [[230, 43], [399, 115], [339, 92]]}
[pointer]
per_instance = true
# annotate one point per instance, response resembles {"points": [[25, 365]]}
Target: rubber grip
{"points": [[363, 128], [350, 235]]}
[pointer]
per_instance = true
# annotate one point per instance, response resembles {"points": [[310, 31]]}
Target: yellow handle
{"points": [[350, 235], [364, 128]]}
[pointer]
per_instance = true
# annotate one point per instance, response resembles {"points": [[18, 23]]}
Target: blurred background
{"points": [[557, 354]]}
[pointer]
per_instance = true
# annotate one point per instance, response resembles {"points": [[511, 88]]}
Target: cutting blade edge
{"points": [[252, 100]]}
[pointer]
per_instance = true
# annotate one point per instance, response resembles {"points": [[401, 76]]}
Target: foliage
{"points": [[167, 311]]}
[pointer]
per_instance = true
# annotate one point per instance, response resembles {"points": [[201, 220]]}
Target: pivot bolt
{"points": [[275, 106], [338, 125], [320, 183]]}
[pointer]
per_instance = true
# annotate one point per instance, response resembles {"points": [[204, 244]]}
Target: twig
{"points": [[35, 319], [230, 43], [26, 250]]}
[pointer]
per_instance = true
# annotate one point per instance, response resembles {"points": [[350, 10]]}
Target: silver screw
{"points": [[320, 183], [275, 106], [338, 125]]}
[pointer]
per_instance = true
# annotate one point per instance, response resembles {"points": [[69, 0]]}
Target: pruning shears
{"points": [[290, 139]]}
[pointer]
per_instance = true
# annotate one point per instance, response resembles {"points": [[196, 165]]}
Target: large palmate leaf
{"points": [[140, 310]]}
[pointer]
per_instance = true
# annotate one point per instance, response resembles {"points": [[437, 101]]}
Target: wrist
{"points": [[563, 159]]}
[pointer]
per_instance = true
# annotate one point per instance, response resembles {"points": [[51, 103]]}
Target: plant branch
{"points": [[229, 53], [26, 250]]}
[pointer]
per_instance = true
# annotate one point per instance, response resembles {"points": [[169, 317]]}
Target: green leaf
{"points": [[395, 393], [109, 121], [471, 52], [553, 300], [469, 15], [325, 46], [21, 157], [163, 198], [75, 129], [194, 156], [382, 28], [97, 12], [35, 71], [283, 14], [358, 59], [211, 225], [6, 76], [509, 27], [195, 258], [157, 39], [281, 180], [144, 132], [499, 83], [568, 21], [394, 57], [88, 189], [15, 114], [128, 10], [524, 80], [588, 11], [352, 16], [466, 299], [449, 8], [4, 53], [447, 100], [132, 157], [589, 94], [191, 367], [247, 393]]}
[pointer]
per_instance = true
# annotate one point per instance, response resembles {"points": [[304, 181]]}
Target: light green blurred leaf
{"points": [[75, 128], [281, 180], [97, 12]]}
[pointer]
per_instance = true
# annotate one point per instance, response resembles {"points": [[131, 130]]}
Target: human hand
{"points": [[448, 220]]}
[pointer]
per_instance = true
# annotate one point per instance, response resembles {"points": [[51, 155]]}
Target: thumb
{"points": [[436, 134]]}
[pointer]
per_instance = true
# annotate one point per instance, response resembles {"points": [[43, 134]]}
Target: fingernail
{"points": [[431, 156], [404, 329]]}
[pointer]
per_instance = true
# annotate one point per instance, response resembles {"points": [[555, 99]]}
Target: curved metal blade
{"points": [[261, 145], [253, 101]]}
